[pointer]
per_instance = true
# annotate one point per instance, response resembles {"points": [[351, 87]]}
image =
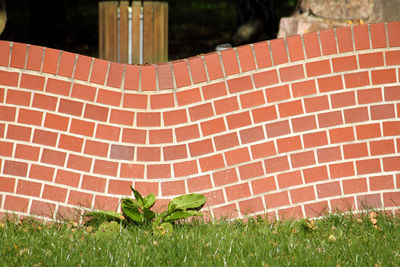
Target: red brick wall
{"points": [[288, 127]]}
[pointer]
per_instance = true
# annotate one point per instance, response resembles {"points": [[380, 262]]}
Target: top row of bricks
{"points": [[201, 68]]}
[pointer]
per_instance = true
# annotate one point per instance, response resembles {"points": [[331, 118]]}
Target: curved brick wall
{"points": [[291, 127]]}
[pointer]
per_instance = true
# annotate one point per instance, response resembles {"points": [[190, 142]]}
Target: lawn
{"points": [[371, 239]]}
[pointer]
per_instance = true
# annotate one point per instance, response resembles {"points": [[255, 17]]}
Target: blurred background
{"points": [[194, 27]]}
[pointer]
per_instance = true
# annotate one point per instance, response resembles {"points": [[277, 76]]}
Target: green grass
{"points": [[344, 240]]}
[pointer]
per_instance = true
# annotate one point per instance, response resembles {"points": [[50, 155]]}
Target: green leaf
{"points": [[171, 207], [149, 201], [148, 214], [179, 215], [104, 215], [164, 229], [138, 197], [130, 202], [189, 202], [132, 212]]}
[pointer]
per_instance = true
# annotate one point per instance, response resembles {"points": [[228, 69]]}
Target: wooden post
{"points": [[114, 33]]}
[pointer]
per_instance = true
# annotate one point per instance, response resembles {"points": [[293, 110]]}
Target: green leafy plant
{"points": [[138, 211]]}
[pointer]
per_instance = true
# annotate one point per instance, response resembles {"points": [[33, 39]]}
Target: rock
{"points": [[337, 9], [384, 11]]}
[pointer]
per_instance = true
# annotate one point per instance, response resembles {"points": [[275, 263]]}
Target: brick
{"points": [[93, 183], [278, 51], [108, 97], [302, 159], [82, 68], [277, 128], [148, 119], [357, 79], [293, 213], [392, 93], [227, 211], [27, 152], [212, 91], [330, 84], [315, 139], [187, 132], [330, 119], [391, 128], [121, 117], [159, 171], [345, 99], [82, 127], [9, 78], [237, 156], [106, 203], [289, 144], [329, 154], [122, 152], [252, 99], [380, 112], [328, 42], [99, 71], [352, 186], [304, 124], [295, 47], [67, 178], [392, 58], [70, 143], [161, 136], [146, 188], [173, 188], [382, 182], [17, 204], [391, 199], [41, 172], [368, 166], [237, 191], [7, 184], [371, 60], [18, 97], [213, 64], [276, 164], [251, 170], [5, 50], [27, 116], [201, 112], [211, 162], [356, 115], [50, 60], [67, 64], [367, 96], [32, 82], [119, 187], [263, 114], [263, 150], [199, 183], [251, 206], [44, 102], [343, 204], [54, 193], [265, 78], [21, 133], [314, 104], [226, 105], [383, 76], [135, 101], [229, 61], [107, 132], [148, 154], [368, 131], [303, 88], [6, 148], [315, 174], [115, 73], [344, 39], [56, 122], [28, 188], [391, 163], [262, 54], [79, 163], [213, 126], [393, 33], [201, 148], [44, 137], [132, 171], [263, 185], [369, 201], [347, 63], [381, 147], [289, 179], [80, 199], [185, 168], [96, 148], [316, 209], [303, 194], [160, 101], [357, 150], [291, 108], [226, 141], [18, 56], [291, 73], [361, 37], [175, 117], [276, 200], [378, 35], [132, 76], [164, 74], [240, 84], [277, 93], [341, 135], [189, 96], [95, 112], [60, 87], [341, 170], [83, 92], [318, 68], [251, 135], [238, 120], [181, 73], [197, 69], [311, 45]]}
